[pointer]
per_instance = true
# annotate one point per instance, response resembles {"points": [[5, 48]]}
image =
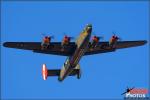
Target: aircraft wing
{"points": [[104, 47], [54, 48]]}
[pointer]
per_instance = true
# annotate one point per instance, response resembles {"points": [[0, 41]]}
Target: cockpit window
{"points": [[89, 25]]}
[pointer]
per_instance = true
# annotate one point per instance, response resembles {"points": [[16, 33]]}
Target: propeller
{"points": [[44, 35], [114, 34], [100, 37], [52, 36], [68, 36]]}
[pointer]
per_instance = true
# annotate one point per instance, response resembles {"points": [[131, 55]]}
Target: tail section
{"points": [[56, 72]]}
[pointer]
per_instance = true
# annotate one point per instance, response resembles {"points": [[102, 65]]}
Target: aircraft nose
{"points": [[89, 29], [89, 25]]}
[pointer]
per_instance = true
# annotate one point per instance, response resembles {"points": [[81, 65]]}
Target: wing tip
{"points": [[5, 44], [9, 44], [143, 42]]}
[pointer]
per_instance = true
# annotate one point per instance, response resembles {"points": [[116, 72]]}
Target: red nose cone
{"points": [[44, 72], [46, 37], [96, 39], [66, 39], [93, 37]]}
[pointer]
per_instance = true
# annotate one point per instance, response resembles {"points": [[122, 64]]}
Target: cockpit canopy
{"points": [[89, 25]]}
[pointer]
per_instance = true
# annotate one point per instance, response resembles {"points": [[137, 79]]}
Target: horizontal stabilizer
{"points": [[55, 72]]}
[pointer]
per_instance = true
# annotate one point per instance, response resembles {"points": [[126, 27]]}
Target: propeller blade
{"points": [[52, 36], [43, 34], [68, 36], [64, 34], [71, 37], [114, 33], [127, 87], [101, 37], [93, 33], [120, 39]]}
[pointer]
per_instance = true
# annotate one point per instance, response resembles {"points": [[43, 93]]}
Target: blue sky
{"points": [[103, 75]]}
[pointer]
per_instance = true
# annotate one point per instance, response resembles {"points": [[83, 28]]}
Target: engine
{"points": [[46, 42], [66, 40], [95, 41], [113, 40]]}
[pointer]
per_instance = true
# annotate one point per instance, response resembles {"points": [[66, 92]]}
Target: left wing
{"points": [[54, 48], [103, 47]]}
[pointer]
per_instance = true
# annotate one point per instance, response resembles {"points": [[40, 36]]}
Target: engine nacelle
{"points": [[95, 41], [113, 40], [66, 40], [46, 42]]}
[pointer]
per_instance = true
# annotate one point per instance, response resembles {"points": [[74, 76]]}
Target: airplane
{"points": [[127, 90], [74, 50]]}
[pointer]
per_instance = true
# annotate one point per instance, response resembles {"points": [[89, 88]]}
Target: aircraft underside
{"points": [[74, 50]]}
